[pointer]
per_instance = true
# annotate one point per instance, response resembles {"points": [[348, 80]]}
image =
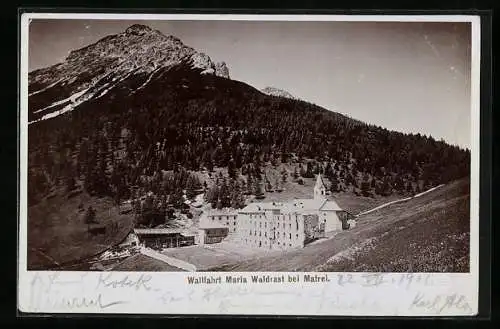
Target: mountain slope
{"points": [[165, 112], [94, 70], [277, 92], [425, 234]]}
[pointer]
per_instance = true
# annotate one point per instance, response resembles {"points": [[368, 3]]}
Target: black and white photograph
{"points": [[248, 146]]}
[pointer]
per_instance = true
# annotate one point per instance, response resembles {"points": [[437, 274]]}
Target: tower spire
{"points": [[319, 188]]}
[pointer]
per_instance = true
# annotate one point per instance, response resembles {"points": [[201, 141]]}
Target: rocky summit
{"points": [[272, 91], [137, 50]]}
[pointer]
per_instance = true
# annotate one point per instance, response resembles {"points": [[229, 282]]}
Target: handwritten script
{"points": [[343, 293]]}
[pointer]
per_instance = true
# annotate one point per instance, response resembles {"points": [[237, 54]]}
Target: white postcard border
{"points": [[169, 293]]}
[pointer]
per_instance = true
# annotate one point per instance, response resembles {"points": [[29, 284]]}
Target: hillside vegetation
{"points": [[120, 144], [58, 231]]}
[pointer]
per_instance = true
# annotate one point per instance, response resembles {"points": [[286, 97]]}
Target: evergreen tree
{"points": [[231, 171], [284, 175], [258, 191], [309, 171], [334, 186], [176, 199], [302, 171], [237, 199], [90, 217], [70, 184], [328, 171]]}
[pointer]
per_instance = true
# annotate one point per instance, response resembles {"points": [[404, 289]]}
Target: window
{"points": [[290, 236], [265, 234], [297, 223], [297, 236], [290, 225]]}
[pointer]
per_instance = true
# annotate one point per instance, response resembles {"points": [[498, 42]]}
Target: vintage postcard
{"points": [[249, 164]]}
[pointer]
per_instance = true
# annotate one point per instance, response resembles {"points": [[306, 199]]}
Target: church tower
{"points": [[319, 188]]}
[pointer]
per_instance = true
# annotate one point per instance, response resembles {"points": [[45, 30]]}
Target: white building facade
{"points": [[293, 224]]}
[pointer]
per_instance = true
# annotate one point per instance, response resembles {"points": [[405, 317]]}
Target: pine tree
{"points": [[70, 184], [278, 186], [284, 175], [258, 191], [90, 216], [302, 171], [212, 195], [237, 199], [328, 170], [334, 187], [250, 185], [231, 171], [176, 199], [309, 171], [409, 188]]}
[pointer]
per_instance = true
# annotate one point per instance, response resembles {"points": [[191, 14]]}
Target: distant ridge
{"points": [[277, 92]]}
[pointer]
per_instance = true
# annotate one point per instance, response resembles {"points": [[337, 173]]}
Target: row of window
{"points": [[276, 235], [227, 222], [277, 225], [222, 217], [260, 244]]}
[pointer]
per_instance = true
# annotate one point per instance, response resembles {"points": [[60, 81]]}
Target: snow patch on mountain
{"points": [[277, 92], [75, 101], [139, 49]]}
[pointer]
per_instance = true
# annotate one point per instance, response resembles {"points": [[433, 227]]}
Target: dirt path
{"points": [[168, 260], [44, 255], [400, 200]]}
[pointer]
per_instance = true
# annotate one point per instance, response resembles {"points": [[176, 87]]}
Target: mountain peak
{"points": [[95, 69], [138, 29]]}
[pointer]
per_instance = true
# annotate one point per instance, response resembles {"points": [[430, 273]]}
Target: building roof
{"points": [[296, 206], [330, 205], [309, 204], [261, 206], [140, 231], [224, 211]]}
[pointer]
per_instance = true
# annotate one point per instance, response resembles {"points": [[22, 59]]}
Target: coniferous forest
{"points": [[132, 141]]}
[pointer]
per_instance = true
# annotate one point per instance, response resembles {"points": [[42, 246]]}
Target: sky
{"points": [[412, 77]]}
